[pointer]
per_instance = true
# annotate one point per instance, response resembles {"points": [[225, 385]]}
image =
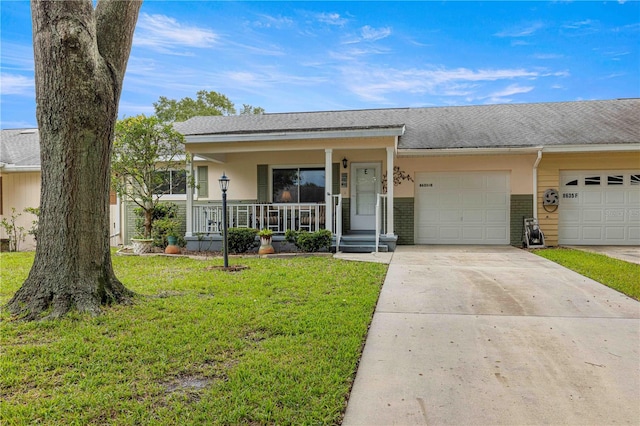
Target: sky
{"points": [[318, 56]]}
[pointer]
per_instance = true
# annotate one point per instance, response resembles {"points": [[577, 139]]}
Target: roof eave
{"points": [[426, 152], [296, 135], [618, 147]]}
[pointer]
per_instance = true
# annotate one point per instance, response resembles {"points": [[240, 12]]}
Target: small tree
{"points": [[145, 153]]}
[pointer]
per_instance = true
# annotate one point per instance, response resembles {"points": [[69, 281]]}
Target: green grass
{"points": [[617, 274], [277, 343]]}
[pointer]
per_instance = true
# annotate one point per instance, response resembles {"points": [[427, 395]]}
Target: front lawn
{"points": [[276, 343], [617, 274]]}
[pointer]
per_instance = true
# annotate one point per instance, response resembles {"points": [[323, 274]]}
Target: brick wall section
{"points": [[403, 219], [346, 214], [521, 207]]}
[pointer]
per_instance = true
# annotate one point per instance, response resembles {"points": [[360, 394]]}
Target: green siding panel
{"points": [[521, 207], [335, 179], [403, 219], [130, 219]]}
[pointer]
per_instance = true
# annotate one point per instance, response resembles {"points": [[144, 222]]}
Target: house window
{"points": [[572, 182], [298, 185], [635, 179], [174, 182], [591, 181], [615, 180]]}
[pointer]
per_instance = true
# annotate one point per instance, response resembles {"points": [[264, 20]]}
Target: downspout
{"points": [[535, 183]]}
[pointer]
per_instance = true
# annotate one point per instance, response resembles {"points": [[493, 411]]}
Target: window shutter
{"points": [[335, 179], [263, 183], [203, 182]]}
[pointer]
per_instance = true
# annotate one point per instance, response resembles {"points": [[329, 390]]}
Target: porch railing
{"points": [[207, 218], [337, 204], [381, 217]]}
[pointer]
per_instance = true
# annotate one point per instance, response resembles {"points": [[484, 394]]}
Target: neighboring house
{"points": [[475, 173], [20, 182]]}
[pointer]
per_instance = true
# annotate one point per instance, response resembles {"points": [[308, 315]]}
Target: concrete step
{"points": [[362, 248]]}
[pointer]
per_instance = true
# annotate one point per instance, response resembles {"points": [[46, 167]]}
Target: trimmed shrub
{"points": [[164, 222], [242, 240], [310, 241]]}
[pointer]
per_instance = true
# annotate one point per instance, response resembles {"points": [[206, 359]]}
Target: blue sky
{"points": [[309, 56]]}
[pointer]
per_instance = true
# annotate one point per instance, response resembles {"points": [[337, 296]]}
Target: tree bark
{"points": [[80, 57]]}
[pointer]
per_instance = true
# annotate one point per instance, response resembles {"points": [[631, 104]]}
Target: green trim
{"points": [[203, 181], [263, 183], [335, 178]]}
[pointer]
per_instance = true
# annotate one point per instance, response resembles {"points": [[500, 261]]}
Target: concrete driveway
{"points": [[496, 336]]}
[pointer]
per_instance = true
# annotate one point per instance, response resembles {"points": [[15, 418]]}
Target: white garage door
{"points": [[462, 208], [599, 208]]}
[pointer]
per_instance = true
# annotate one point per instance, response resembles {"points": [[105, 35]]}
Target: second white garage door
{"points": [[462, 208]]}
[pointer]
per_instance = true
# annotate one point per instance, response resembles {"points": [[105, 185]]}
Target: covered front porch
{"points": [[305, 179]]}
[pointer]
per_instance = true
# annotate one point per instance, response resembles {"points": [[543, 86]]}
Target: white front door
{"points": [[365, 185]]}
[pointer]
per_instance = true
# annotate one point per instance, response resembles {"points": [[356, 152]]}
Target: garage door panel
{"points": [[599, 208], [592, 197], [473, 216], [449, 233], [471, 200], [592, 216], [496, 216], [472, 233], [471, 182], [449, 216], [614, 215], [592, 233], [614, 196], [496, 233], [448, 199], [467, 204], [498, 182], [497, 199], [615, 233]]}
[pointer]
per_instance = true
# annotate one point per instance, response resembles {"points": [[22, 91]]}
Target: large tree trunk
{"points": [[80, 60]]}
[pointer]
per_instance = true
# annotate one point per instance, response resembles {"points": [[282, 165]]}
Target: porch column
{"points": [[190, 190], [390, 155], [328, 185]]}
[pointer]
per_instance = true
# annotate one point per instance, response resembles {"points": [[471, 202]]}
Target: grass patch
{"points": [[277, 343], [617, 274]]}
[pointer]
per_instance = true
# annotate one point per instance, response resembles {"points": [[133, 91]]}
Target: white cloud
{"points": [[548, 56], [375, 84], [369, 34], [510, 90], [15, 84], [522, 31], [331, 19], [165, 34], [268, 21], [17, 56], [373, 34]]}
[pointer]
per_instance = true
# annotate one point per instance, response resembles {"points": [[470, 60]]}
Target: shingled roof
{"points": [[486, 126], [20, 147]]}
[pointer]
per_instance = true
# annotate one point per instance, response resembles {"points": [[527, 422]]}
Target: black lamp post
{"points": [[224, 185]]}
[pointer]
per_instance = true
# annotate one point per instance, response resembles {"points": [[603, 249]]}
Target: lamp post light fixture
{"points": [[224, 185]]}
